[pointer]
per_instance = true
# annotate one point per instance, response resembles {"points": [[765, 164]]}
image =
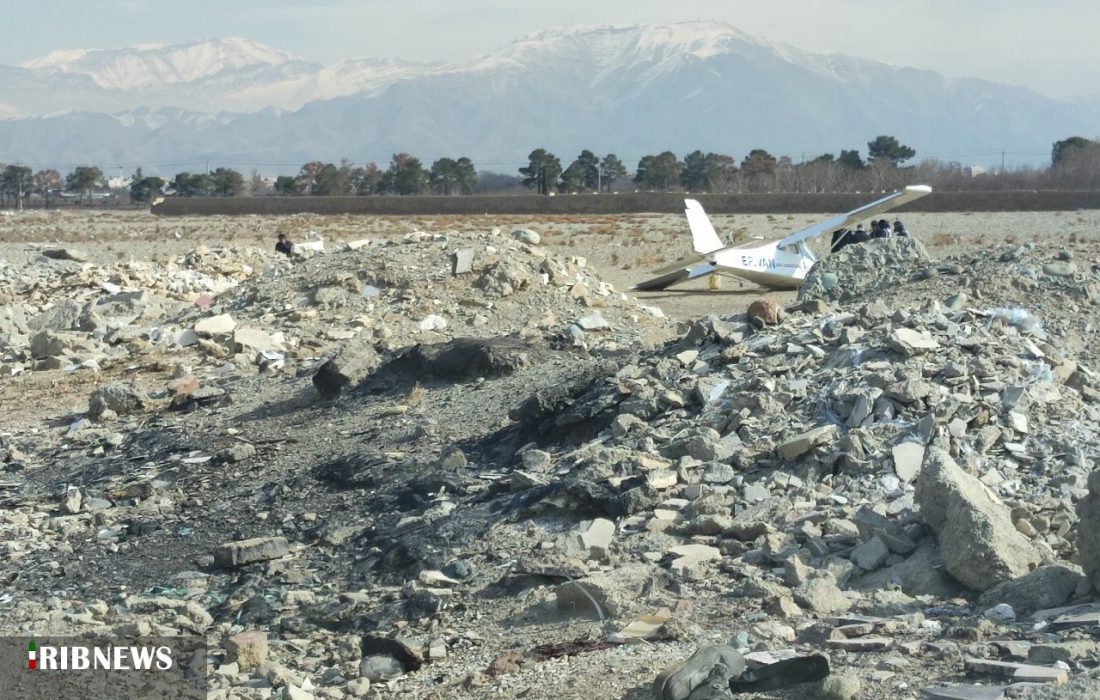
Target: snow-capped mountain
{"points": [[160, 64], [630, 90]]}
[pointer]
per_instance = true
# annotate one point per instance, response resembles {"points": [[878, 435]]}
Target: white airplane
{"points": [[781, 264]]}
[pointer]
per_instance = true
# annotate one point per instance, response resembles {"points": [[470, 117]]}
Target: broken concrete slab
{"points": [[463, 261], [978, 542], [348, 369], [1025, 673], [801, 444], [221, 324], [249, 551]]}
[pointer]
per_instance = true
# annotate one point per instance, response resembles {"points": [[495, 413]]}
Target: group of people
{"points": [[879, 229]]}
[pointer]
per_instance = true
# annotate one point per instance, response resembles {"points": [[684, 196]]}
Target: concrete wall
{"points": [[655, 202]]}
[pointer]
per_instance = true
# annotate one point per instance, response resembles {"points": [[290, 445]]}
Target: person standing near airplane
{"points": [[860, 235], [841, 238]]}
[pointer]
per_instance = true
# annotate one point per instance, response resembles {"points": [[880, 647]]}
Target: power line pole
{"points": [[1002, 162]]}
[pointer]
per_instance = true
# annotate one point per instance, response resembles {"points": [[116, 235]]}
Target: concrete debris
{"points": [[355, 362], [117, 398], [1088, 531], [463, 261], [221, 324], [979, 545], [250, 551], [247, 649], [858, 270], [526, 235]]}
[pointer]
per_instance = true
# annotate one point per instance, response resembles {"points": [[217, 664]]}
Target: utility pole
{"points": [[1002, 162]]}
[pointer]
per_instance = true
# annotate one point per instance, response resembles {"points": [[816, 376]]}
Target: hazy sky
{"points": [[1050, 46]]}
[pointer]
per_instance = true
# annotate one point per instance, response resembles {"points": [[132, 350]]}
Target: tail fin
{"points": [[703, 236]]}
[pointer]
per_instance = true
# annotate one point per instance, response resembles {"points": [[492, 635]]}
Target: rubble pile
{"points": [[60, 312], [259, 310], [888, 489], [434, 287]]}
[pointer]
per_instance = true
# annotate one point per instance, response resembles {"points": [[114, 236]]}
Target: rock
{"points": [[249, 551], [978, 543], [463, 261], [871, 554], [822, 595], [756, 492], [765, 312], [248, 649], [613, 591], [432, 322], [355, 362], [504, 278], [71, 503], [358, 688], [62, 316], [48, 343], [801, 444], [293, 692], [537, 460], [688, 556], [595, 539], [910, 342], [248, 339], [705, 675], [222, 324], [526, 235], [1048, 586], [120, 398], [593, 322], [908, 456], [1002, 613], [1022, 673], [1060, 269], [1088, 530], [239, 452], [709, 390], [837, 687], [380, 667], [396, 648], [453, 459]]}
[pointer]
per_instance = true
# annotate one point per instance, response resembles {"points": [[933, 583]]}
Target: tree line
{"points": [[1075, 164]]}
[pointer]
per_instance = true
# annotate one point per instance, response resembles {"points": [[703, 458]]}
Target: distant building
{"points": [[119, 183], [974, 170]]}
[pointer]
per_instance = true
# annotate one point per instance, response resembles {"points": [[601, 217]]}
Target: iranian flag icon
{"points": [[32, 662]]}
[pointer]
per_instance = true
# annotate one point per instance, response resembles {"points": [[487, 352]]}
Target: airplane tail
{"points": [[703, 237]]}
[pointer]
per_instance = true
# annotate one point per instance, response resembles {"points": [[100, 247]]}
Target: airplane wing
{"points": [[678, 275], [863, 213]]}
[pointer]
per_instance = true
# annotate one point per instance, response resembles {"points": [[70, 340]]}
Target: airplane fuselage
{"points": [[768, 265]]}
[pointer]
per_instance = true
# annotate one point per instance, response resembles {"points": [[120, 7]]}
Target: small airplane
{"points": [[781, 264]]}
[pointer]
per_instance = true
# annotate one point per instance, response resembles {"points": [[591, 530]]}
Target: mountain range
{"points": [[629, 90]]}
